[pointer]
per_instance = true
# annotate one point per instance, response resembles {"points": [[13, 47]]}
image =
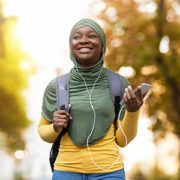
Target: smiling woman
{"points": [[91, 129], [43, 28], [86, 46]]}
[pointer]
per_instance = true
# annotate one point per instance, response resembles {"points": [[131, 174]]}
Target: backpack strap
{"points": [[62, 92], [62, 97], [62, 101], [117, 85]]}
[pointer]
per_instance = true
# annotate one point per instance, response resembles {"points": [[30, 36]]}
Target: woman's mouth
{"points": [[85, 50]]}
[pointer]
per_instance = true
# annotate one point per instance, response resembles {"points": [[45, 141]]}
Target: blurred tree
{"points": [[138, 173], [146, 37], [13, 117]]}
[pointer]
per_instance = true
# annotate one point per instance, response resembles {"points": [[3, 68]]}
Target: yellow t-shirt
{"points": [[100, 157]]}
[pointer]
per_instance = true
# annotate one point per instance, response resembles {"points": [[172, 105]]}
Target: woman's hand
{"points": [[133, 101], [60, 120]]}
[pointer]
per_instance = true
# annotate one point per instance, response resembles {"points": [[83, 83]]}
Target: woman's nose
{"points": [[84, 39]]}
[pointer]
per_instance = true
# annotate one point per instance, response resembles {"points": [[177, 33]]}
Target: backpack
{"points": [[117, 84]]}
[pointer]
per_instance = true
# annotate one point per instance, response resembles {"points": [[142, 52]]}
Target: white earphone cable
{"points": [[126, 141], [94, 122]]}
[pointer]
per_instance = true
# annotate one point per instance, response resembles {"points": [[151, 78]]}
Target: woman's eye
{"points": [[92, 36], [76, 37]]}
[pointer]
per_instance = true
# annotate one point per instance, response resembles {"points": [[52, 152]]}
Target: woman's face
{"points": [[86, 46]]}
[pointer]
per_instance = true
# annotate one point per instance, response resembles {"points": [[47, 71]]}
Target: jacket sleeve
{"points": [[46, 131], [129, 126]]}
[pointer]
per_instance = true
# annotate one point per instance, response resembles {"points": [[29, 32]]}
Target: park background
{"points": [[143, 44]]}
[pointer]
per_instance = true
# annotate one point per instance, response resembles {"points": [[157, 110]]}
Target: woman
{"points": [[88, 151]]}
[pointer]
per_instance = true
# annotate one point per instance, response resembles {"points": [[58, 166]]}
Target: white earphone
{"points": [[94, 122]]}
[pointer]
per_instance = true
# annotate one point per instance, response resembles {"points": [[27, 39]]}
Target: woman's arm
{"points": [[129, 125], [46, 131], [128, 128]]}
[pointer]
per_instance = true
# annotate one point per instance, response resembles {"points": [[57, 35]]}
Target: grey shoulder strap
{"points": [[115, 85], [62, 92]]}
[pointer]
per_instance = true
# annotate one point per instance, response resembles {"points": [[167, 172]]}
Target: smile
{"points": [[85, 50]]}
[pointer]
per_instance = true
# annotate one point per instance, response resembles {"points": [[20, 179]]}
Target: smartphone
{"points": [[145, 87]]}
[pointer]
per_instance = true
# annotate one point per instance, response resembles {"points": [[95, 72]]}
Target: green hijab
{"points": [[93, 25], [82, 114]]}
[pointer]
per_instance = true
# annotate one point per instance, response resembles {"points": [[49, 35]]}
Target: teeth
{"points": [[84, 49]]}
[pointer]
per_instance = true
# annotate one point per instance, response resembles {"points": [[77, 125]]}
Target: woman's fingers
{"points": [[129, 94], [60, 119], [61, 123], [61, 114], [133, 99]]}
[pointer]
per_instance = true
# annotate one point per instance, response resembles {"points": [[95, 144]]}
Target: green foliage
{"points": [[133, 39], [154, 173], [14, 80], [158, 174]]}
